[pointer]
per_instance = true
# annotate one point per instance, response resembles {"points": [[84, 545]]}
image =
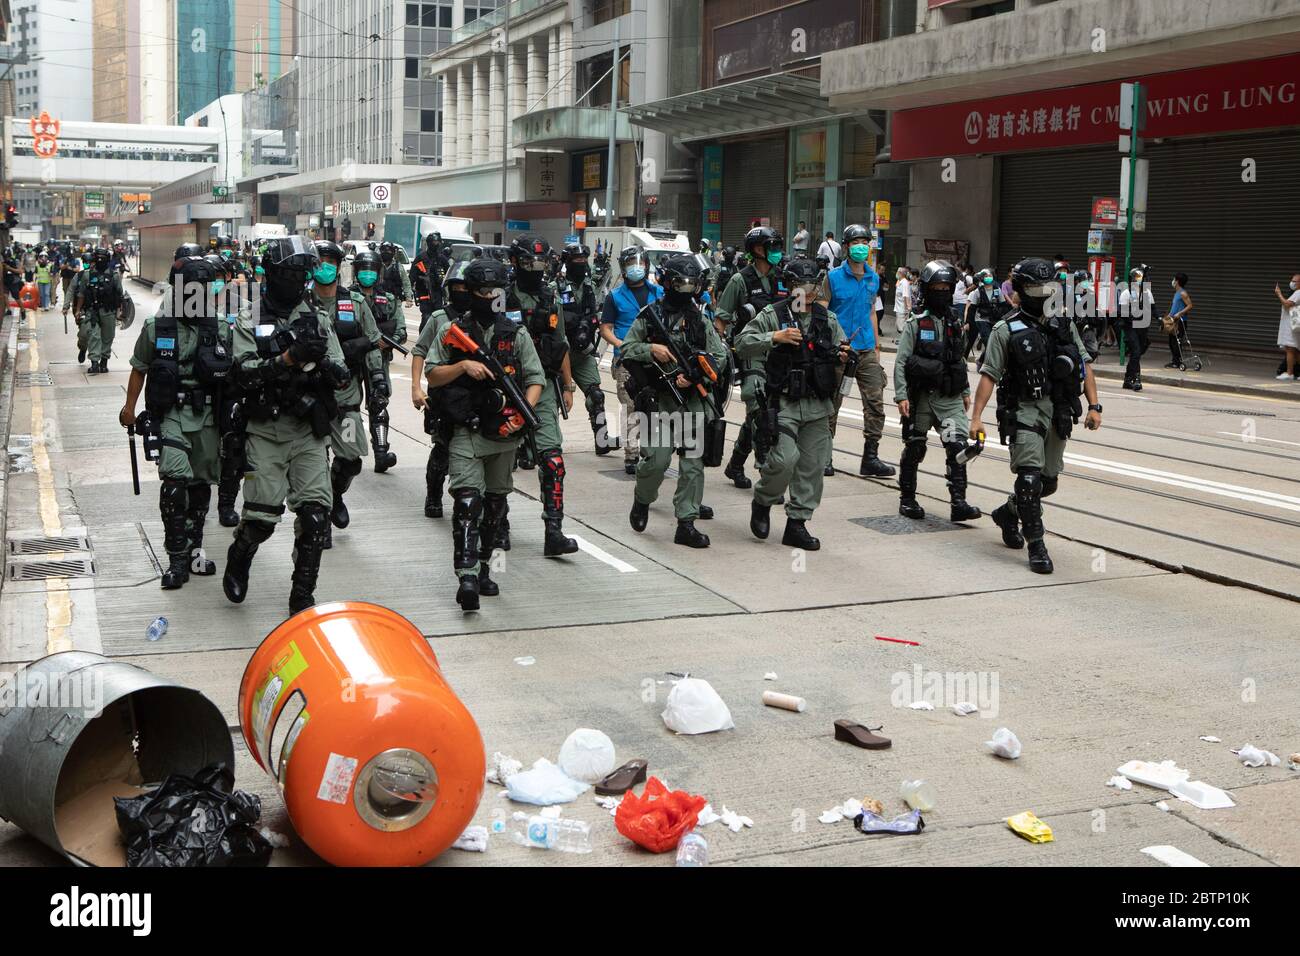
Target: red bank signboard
{"points": [[1259, 94]]}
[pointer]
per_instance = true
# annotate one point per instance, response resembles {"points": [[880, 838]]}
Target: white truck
{"points": [[409, 229], [657, 242], [260, 231]]}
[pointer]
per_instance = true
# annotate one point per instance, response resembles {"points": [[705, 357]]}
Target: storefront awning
{"points": [[776, 101]]}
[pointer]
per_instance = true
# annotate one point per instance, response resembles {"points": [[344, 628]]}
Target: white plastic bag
{"points": [[694, 707], [587, 755], [1004, 744], [544, 785]]}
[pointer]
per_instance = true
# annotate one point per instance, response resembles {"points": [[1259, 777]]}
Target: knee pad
{"points": [[255, 532], [553, 461], [467, 504], [494, 506], [173, 497], [914, 450], [595, 400], [1049, 485], [346, 467], [315, 521], [1029, 482]]}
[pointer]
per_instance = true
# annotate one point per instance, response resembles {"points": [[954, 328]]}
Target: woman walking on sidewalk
{"points": [[1179, 309], [1288, 331]]}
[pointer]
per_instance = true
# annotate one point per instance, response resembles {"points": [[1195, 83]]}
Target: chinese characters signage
{"points": [[711, 228], [94, 205], [45, 135], [547, 180], [1261, 94]]}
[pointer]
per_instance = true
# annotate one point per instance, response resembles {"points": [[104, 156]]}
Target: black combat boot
{"points": [[735, 469], [908, 506], [1004, 516], [227, 491], [688, 535], [956, 474], [434, 474], [551, 480], [760, 520], [314, 523], [524, 456], [385, 457], [197, 514], [639, 516], [172, 504], [239, 559], [81, 356], [596, 412], [494, 509], [342, 471], [872, 466], [1029, 506], [503, 530], [706, 513], [797, 536], [465, 513]]}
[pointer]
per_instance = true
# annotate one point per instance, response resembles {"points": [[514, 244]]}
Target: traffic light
{"points": [[11, 216], [370, 230], [347, 228]]}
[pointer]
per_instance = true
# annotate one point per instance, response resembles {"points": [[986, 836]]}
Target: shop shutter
{"points": [[753, 186], [1232, 238]]}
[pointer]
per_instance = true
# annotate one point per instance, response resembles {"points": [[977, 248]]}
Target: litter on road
{"points": [[907, 822], [1252, 756], [1027, 825], [694, 707], [784, 701], [544, 784], [1004, 744], [587, 755]]}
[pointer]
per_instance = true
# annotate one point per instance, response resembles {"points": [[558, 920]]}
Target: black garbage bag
{"points": [[193, 821]]}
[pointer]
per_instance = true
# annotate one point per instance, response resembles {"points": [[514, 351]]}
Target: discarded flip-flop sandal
{"points": [[860, 735], [623, 779]]}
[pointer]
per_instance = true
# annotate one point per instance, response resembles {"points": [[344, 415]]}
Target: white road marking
{"points": [[622, 567], [1284, 502], [1262, 438]]}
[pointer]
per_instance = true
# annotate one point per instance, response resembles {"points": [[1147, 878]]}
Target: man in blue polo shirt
{"points": [[621, 307], [853, 288]]}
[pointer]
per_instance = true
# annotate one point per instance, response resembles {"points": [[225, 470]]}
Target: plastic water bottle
{"points": [[919, 795], [157, 629], [692, 850], [547, 833]]}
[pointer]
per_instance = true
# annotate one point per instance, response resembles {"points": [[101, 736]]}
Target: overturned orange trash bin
{"points": [[29, 296], [379, 762]]}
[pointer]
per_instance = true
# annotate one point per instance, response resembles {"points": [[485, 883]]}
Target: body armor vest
{"points": [[806, 370], [937, 362]]}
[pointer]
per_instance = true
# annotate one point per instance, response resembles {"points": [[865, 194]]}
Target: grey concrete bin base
{"points": [[77, 729]]}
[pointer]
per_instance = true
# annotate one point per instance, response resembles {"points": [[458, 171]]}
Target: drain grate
{"points": [[19, 546], [42, 570], [32, 379], [897, 524], [1243, 412]]}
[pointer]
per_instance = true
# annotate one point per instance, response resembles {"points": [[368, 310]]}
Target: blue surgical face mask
{"points": [[326, 273], [859, 252], [774, 257], [367, 278], [635, 274], [218, 285]]}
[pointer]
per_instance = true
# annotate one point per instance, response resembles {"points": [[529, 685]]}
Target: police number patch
{"points": [[927, 335], [166, 343]]}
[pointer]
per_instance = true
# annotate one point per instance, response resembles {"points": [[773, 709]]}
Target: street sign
{"points": [[1127, 91], [1143, 169], [572, 237], [1105, 212], [518, 225], [220, 192], [880, 215], [1100, 242], [381, 194], [579, 219]]}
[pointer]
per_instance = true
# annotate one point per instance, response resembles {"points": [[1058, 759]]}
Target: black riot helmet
{"points": [[855, 231], [101, 256], [456, 287], [286, 262], [432, 242], [486, 273], [682, 276], [801, 276], [574, 270], [190, 283], [529, 253], [937, 282], [219, 265], [573, 250], [387, 251], [366, 261], [1035, 282], [187, 249], [764, 236], [330, 251], [729, 254]]}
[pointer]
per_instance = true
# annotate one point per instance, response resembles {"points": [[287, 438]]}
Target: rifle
{"points": [[393, 344], [559, 396], [696, 372], [457, 338]]}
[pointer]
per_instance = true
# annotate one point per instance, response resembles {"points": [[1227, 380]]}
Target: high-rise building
{"points": [[159, 61], [53, 37]]}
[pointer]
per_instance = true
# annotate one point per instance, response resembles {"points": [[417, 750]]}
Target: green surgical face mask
{"points": [[367, 278], [774, 257], [218, 285], [227, 253], [859, 252], [327, 273]]}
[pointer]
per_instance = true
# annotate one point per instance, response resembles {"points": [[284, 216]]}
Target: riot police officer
{"points": [[531, 302], [393, 277], [386, 308], [358, 337], [674, 396], [747, 293], [426, 276], [1037, 361], [183, 355], [796, 347], [931, 389], [233, 302], [99, 298], [582, 330], [984, 308], [485, 425], [288, 364]]}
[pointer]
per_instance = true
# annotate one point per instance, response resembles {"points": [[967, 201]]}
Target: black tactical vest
{"points": [[475, 402], [541, 322], [809, 369], [581, 320], [937, 362], [101, 290], [348, 328], [1042, 359]]}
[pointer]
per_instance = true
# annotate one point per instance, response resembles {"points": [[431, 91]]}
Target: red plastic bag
{"points": [[658, 818]]}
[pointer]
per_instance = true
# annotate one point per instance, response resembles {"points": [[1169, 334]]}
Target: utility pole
{"points": [[613, 126], [505, 125]]}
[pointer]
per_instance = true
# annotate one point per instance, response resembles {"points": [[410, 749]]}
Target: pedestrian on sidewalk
{"points": [[800, 241], [830, 249], [1135, 309], [1179, 308], [1288, 330]]}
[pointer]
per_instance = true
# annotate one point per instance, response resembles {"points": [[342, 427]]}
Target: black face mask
{"points": [[462, 300], [1032, 307], [938, 303], [528, 280], [386, 257], [481, 309], [575, 271], [285, 288], [679, 301]]}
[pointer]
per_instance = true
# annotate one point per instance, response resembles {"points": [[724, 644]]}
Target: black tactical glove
{"points": [[355, 349], [338, 374], [308, 349]]}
